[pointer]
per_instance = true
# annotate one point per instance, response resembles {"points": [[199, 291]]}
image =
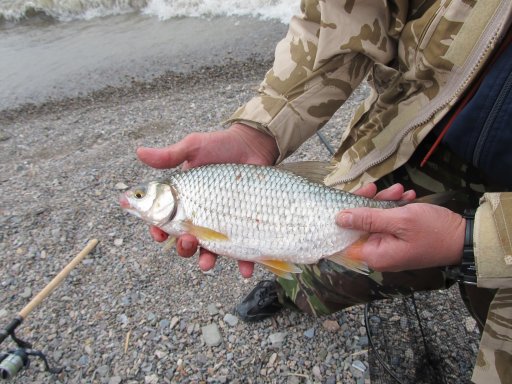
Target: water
{"points": [[63, 48]]}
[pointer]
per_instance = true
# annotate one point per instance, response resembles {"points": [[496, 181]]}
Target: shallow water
{"points": [[67, 59]]}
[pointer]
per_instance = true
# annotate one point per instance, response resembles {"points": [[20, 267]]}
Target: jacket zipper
{"points": [[488, 38]]}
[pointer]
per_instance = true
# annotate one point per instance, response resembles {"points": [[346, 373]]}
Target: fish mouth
{"points": [[124, 202]]}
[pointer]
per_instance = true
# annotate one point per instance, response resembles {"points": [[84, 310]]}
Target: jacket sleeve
{"points": [[493, 240], [326, 53]]}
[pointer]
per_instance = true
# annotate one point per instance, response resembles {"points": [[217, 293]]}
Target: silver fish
{"points": [[268, 215]]}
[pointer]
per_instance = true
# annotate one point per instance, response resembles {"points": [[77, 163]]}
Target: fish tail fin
{"points": [[351, 257], [281, 268]]}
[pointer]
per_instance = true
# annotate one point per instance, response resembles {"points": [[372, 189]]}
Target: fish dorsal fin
{"points": [[280, 268], [351, 257], [203, 233], [314, 171]]}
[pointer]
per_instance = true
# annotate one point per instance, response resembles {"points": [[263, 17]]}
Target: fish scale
{"points": [[265, 212]]}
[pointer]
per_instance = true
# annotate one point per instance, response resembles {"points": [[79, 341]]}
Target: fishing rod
{"points": [[13, 361]]}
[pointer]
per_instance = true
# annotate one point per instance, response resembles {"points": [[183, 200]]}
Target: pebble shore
{"points": [[131, 313]]}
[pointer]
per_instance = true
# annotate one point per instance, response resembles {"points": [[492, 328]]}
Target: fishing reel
{"points": [[13, 361]]}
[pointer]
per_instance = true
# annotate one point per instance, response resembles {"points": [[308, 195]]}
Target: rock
{"points": [[164, 323], [3, 313], [277, 339], [272, 360], [151, 379], [359, 365], [103, 370], [212, 309], [121, 186], [27, 293], [118, 242], [123, 319], [115, 380], [211, 335], [316, 372], [230, 319], [331, 325], [175, 320], [310, 333]]}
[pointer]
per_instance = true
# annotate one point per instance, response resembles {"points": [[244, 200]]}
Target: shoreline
{"points": [[74, 59]]}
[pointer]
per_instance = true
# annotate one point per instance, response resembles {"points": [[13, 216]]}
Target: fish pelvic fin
{"points": [[169, 244], [352, 257], [203, 233], [314, 171], [281, 268]]}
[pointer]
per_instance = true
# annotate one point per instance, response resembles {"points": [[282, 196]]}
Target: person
{"points": [[437, 118]]}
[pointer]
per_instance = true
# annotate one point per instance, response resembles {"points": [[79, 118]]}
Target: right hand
{"points": [[238, 144]]}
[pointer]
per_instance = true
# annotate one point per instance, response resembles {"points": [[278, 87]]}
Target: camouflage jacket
{"points": [[419, 57]]}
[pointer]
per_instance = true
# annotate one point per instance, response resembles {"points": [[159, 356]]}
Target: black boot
{"points": [[261, 303]]}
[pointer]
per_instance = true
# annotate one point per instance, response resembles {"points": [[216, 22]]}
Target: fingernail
{"points": [[186, 245], [345, 219]]}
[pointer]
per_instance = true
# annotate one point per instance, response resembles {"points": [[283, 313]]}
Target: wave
{"points": [[68, 10]]}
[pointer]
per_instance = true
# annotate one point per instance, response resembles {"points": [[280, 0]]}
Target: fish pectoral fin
{"points": [[351, 257], [203, 233], [171, 241], [280, 268]]}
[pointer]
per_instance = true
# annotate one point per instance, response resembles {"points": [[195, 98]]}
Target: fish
{"points": [[276, 216]]}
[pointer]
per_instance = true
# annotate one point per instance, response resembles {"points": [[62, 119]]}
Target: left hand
{"points": [[414, 236]]}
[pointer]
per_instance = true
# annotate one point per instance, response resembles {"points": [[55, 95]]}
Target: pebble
{"points": [[359, 365], [230, 319], [118, 242], [212, 309], [316, 372], [27, 293], [115, 380], [310, 333], [175, 320], [331, 325], [211, 335], [121, 186], [3, 313], [277, 339], [151, 379]]}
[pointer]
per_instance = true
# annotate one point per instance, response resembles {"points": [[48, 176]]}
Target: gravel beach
{"points": [[131, 313]]}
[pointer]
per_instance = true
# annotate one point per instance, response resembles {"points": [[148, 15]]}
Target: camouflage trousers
{"points": [[326, 288]]}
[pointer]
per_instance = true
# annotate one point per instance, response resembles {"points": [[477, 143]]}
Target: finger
{"points": [[371, 220], [157, 234], [394, 192], [168, 157], [246, 268], [186, 246], [206, 260], [409, 195], [368, 190]]}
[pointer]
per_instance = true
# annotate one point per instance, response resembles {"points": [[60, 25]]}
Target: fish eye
{"points": [[139, 194]]}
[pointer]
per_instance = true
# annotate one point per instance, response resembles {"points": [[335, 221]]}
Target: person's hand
{"points": [[237, 144], [414, 236]]}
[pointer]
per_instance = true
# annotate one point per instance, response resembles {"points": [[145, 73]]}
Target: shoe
{"points": [[261, 303]]}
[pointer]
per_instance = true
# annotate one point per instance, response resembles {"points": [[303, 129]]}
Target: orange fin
{"points": [[351, 257], [169, 244], [280, 268], [203, 233]]}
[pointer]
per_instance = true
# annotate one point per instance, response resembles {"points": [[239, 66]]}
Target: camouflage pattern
{"points": [[494, 361], [419, 57]]}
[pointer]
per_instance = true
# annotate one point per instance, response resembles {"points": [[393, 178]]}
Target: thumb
{"points": [[168, 157], [371, 220]]}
